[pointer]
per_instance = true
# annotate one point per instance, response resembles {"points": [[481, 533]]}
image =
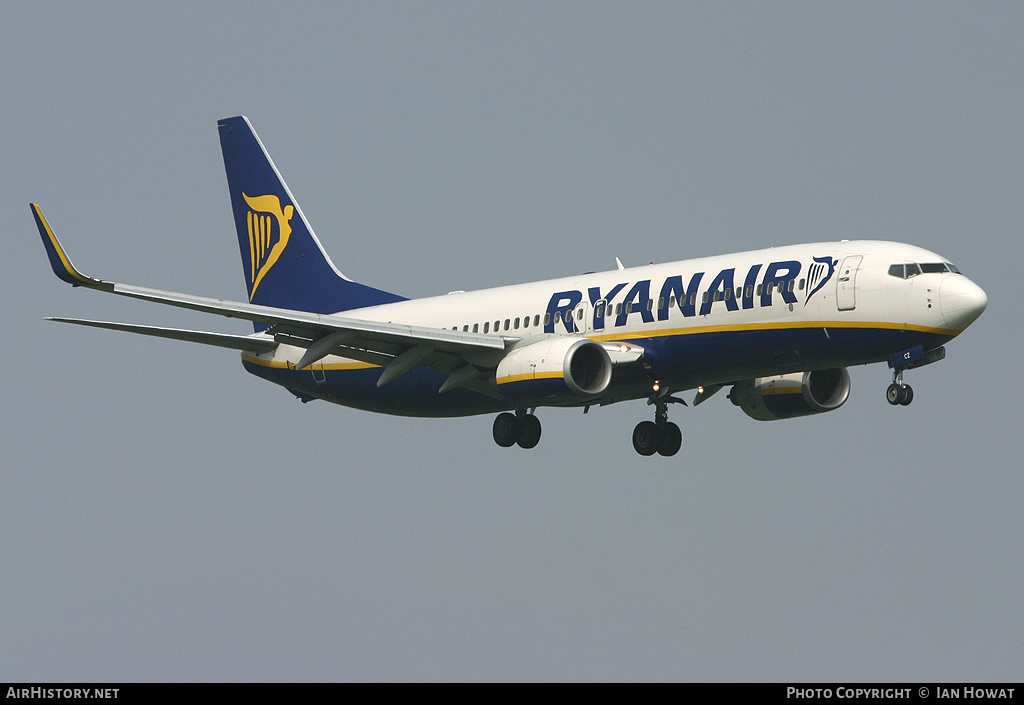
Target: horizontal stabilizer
{"points": [[246, 343]]}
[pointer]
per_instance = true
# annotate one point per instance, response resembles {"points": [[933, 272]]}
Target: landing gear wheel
{"points": [[899, 394], [894, 394], [671, 440], [908, 395], [506, 430], [646, 438], [529, 431]]}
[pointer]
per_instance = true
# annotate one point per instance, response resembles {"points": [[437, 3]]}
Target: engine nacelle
{"points": [[789, 396], [554, 369]]}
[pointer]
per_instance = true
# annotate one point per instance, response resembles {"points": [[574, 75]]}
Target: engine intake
{"points": [[792, 395], [554, 369]]}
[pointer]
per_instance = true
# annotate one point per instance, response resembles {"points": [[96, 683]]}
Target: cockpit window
{"points": [[912, 269]]}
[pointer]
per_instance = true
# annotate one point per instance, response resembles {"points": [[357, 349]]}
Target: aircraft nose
{"points": [[961, 301]]}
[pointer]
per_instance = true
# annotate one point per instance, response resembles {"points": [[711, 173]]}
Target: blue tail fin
{"points": [[284, 264]]}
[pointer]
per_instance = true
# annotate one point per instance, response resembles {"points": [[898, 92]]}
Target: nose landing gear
{"points": [[898, 393]]}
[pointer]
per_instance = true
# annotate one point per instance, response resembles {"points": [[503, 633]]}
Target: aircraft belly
{"points": [[679, 362], [685, 361], [413, 394]]}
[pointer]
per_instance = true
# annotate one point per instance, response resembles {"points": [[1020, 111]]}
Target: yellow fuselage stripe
{"points": [[628, 335], [284, 365], [780, 325]]}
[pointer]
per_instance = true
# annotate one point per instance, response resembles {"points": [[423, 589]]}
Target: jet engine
{"points": [[556, 369], [792, 395]]}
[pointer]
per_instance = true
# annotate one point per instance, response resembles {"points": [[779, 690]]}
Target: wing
{"points": [[320, 334], [396, 347]]}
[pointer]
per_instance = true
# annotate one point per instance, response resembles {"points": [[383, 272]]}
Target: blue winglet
{"points": [[59, 260]]}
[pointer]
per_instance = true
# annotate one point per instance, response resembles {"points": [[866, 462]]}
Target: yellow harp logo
{"points": [[266, 243]]}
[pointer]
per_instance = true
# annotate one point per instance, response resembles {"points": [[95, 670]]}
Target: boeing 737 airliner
{"points": [[778, 326]]}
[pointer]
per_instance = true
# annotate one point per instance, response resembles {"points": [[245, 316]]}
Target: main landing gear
{"points": [[659, 436], [899, 394], [649, 437], [520, 428]]}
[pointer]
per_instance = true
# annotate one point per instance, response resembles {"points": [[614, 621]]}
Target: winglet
{"points": [[59, 259]]}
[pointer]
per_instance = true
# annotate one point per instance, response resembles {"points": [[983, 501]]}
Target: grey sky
{"points": [[166, 516]]}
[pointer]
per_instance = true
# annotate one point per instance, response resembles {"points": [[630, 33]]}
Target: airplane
{"points": [[779, 326]]}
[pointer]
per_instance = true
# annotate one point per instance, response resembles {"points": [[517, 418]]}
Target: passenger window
{"points": [[693, 299], [579, 315], [536, 320], [476, 327], [792, 283], [618, 309], [547, 318], [465, 328], [801, 285], [516, 323], [506, 324], [750, 291], [650, 304], [487, 326], [661, 303], [728, 294], [704, 299]]}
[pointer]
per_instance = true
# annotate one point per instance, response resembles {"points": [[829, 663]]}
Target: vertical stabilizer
{"points": [[285, 266]]}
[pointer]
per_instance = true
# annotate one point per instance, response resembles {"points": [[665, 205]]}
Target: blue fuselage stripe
{"points": [[679, 361]]}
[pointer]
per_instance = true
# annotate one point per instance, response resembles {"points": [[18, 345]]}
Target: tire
{"points": [[646, 437], [529, 431], [506, 430], [908, 395], [671, 440], [893, 394]]}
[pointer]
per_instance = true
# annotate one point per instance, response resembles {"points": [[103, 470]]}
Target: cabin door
{"points": [[846, 284]]}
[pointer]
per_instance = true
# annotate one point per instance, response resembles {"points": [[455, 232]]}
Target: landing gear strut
{"points": [[659, 436], [899, 394], [520, 428]]}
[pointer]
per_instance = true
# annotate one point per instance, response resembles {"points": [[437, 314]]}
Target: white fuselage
{"points": [[703, 321]]}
